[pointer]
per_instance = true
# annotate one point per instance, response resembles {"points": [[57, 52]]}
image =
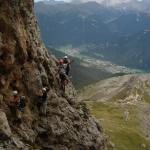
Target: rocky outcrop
{"points": [[5, 132], [127, 89], [26, 66]]}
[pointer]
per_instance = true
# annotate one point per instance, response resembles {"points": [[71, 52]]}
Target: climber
{"points": [[42, 102], [62, 75], [67, 63], [17, 105]]}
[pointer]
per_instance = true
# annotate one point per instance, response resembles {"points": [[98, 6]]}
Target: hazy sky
{"points": [[56, 0], [109, 1]]}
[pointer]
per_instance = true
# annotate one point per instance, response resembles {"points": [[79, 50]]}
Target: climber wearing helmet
{"points": [[67, 63], [17, 104], [42, 102], [62, 74]]}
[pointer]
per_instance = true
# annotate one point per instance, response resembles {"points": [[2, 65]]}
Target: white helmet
{"points": [[66, 57], [44, 89], [15, 93]]}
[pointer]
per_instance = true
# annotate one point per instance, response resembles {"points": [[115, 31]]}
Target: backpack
{"points": [[22, 103], [42, 99]]}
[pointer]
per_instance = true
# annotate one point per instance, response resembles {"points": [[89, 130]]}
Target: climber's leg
{"points": [[44, 108], [18, 116]]}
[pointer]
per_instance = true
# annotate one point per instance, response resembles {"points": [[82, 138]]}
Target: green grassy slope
{"points": [[125, 135], [108, 100]]}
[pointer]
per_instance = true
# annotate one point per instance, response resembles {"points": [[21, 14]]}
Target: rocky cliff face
{"points": [[26, 66]]}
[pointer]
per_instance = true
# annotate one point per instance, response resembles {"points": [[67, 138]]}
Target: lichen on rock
{"points": [[26, 66]]}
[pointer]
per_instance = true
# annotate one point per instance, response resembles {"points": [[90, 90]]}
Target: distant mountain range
{"points": [[140, 5], [87, 23], [73, 24], [122, 5], [119, 35]]}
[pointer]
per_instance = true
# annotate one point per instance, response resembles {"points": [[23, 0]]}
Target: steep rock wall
{"points": [[26, 66]]}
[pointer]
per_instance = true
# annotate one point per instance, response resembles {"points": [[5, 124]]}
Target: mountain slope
{"points": [[132, 51], [130, 22], [122, 106], [26, 66], [119, 88]]}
